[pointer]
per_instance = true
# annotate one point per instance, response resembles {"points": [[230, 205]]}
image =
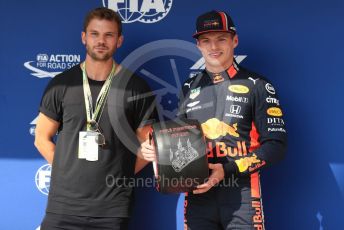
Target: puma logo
{"points": [[254, 80], [188, 84]]}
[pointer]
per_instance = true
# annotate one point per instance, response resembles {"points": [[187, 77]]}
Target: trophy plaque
{"points": [[182, 162]]}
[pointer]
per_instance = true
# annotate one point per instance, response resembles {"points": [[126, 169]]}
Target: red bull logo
{"points": [[222, 150], [218, 78], [246, 162], [258, 217], [256, 166], [214, 128]]}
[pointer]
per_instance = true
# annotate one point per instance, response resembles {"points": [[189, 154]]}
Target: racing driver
{"points": [[243, 124]]}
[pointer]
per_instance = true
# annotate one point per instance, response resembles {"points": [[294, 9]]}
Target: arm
{"points": [[268, 136], [144, 109], [46, 129]]}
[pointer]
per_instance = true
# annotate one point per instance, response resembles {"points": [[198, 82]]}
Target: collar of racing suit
{"points": [[224, 75]]}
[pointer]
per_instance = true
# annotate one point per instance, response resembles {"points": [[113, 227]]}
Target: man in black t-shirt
{"points": [[88, 155]]}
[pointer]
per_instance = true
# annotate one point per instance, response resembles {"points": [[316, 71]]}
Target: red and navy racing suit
{"points": [[242, 121]]}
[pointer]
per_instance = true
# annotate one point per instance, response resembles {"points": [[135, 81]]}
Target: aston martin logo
{"points": [[183, 156]]}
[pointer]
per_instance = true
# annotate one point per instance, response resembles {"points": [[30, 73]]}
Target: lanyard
{"points": [[93, 115]]}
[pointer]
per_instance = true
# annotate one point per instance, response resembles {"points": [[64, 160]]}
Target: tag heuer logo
{"points": [[194, 93]]}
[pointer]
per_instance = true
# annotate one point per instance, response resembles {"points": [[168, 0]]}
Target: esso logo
{"points": [[274, 111]]}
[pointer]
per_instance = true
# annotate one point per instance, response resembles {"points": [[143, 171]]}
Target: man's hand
{"points": [[217, 175], [147, 151], [144, 153]]}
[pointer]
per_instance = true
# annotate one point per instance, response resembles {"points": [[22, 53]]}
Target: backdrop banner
{"points": [[297, 45]]}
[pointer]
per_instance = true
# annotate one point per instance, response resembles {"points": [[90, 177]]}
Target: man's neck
{"points": [[98, 70], [218, 69]]}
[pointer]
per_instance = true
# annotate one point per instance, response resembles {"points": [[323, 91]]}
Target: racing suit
{"points": [[243, 125]]}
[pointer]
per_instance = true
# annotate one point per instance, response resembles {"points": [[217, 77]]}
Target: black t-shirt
{"points": [[80, 187]]}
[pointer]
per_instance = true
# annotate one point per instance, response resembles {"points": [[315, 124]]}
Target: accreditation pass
{"points": [[88, 146]]}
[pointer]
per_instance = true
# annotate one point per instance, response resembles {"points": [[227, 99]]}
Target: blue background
{"points": [[298, 45]]}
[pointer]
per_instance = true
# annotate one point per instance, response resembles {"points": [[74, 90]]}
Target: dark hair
{"points": [[103, 13]]}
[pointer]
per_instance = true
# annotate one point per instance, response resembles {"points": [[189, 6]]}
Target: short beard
{"points": [[106, 56]]}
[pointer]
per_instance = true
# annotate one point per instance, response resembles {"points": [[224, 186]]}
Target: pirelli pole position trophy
{"points": [[181, 155]]}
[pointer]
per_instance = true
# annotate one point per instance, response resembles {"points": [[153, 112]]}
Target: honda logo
{"points": [[235, 109]]}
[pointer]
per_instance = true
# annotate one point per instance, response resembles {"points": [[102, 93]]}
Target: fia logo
{"points": [[42, 178], [145, 11]]}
